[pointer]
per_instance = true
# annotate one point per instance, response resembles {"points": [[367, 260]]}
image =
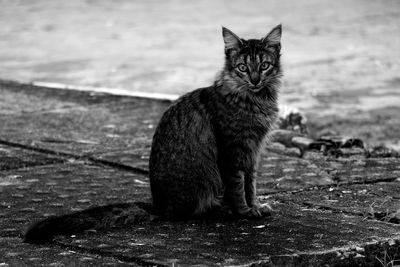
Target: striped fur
{"points": [[205, 149]]}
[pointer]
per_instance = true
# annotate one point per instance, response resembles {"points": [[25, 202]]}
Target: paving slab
{"points": [[78, 123], [292, 231], [14, 158], [42, 191], [38, 192], [377, 200], [279, 172], [75, 186]]}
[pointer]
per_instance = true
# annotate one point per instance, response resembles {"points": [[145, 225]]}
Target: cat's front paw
{"points": [[254, 213], [250, 213], [263, 210]]}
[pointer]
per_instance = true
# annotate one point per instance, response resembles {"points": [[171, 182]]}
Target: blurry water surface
{"points": [[336, 54]]}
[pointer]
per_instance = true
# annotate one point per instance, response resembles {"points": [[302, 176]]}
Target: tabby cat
{"points": [[205, 149]]}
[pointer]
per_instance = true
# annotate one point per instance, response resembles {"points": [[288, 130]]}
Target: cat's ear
{"points": [[273, 38], [231, 40]]}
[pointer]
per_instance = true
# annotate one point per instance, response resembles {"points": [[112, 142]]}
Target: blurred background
{"points": [[341, 59]]}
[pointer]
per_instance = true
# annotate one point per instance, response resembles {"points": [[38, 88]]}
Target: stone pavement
{"points": [[63, 151]]}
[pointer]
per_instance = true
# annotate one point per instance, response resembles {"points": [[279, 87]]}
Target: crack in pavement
{"points": [[112, 164]]}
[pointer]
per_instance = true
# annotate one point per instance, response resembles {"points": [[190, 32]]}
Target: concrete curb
{"points": [[107, 90]]}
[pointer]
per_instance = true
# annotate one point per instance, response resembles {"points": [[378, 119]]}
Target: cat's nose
{"points": [[255, 78]]}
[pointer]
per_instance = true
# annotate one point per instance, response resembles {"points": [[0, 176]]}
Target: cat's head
{"points": [[252, 65]]}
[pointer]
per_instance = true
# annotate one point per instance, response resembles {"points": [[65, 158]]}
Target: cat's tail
{"points": [[103, 217]]}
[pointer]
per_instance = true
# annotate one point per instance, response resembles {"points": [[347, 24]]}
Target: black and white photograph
{"points": [[199, 133]]}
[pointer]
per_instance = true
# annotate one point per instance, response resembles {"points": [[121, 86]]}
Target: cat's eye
{"points": [[241, 67], [265, 65]]}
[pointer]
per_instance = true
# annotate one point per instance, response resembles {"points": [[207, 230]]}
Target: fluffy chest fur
{"points": [[242, 119], [241, 124]]}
